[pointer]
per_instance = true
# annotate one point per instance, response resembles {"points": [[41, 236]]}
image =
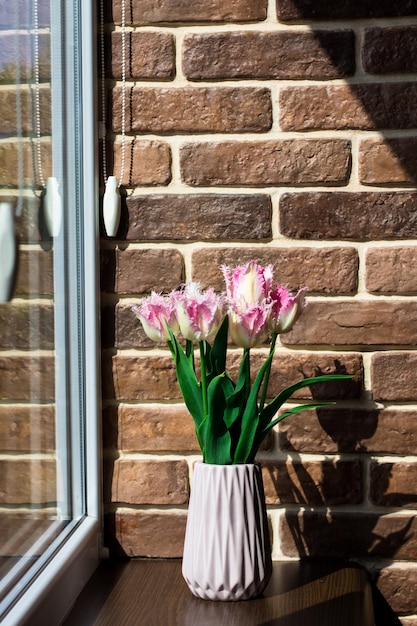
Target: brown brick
{"points": [[26, 326], [27, 378], [20, 533], [144, 12], [147, 534], [269, 55], [398, 583], [149, 428], [341, 215], [149, 482], [9, 159], [27, 481], [136, 271], [203, 109], [393, 484], [298, 161], [394, 377], [27, 224], [289, 10], [27, 428], [390, 431], [200, 217], [339, 107], [149, 55], [391, 322], [392, 160], [392, 270], [348, 535], [322, 270], [35, 272], [140, 378], [8, 111], [147, 162], [390, 50], [312, 482]]}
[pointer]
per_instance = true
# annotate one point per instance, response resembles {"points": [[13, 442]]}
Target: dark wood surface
{"points": [[153, 593]]}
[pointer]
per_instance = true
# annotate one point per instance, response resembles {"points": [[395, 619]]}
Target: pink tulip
{"points": [[199, 314], [155, 312], [248, 284], [248, 288], [286, 309]]}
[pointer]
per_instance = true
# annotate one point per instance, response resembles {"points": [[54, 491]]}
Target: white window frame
{"points": [[50, 588]]}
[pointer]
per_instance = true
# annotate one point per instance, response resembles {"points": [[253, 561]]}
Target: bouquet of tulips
{"points": [[231, 417]]}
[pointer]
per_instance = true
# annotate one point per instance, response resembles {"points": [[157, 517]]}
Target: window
{"points": [[49, 390]]}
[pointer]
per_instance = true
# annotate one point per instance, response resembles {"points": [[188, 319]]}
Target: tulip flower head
{"points": [[286, 309], [155, 312], [199, 313]]}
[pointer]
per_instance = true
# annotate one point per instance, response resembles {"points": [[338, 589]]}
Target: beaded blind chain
{"points": [[111, 198], [50, 196]]}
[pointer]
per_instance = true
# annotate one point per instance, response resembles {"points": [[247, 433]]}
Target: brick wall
{"points": [[287, 133]]}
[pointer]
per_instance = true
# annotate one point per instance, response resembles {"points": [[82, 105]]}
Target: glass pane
{"points": [[41, 395]]}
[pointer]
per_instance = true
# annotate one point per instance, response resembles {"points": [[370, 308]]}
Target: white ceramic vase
{"points": [[227, 554]]}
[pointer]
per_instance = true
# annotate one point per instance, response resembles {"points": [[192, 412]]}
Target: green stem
{"points": [[202, 346], [246, 352], [267, 373]]}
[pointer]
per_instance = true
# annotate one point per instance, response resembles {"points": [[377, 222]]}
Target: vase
{"points": [[227, 553]]}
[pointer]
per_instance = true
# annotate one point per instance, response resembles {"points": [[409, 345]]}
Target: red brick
{"points": [[143, 12], [322, 270], [27, 428], [391, 160], [200, 217], [26, 326], [146, 162], [391, 50], [390, 322], [340, 107], [298, 161], [208, 109], [8, 122], [146, 533], [342, 215], [313, 483], [9, 158], [27, 378], [140, 378], [149, 428], [148, 482], [139, 271], [34, 272], [289, 10], [394, 377], [348, 535], [392, 270], [149, 55], [397, 583], [393, 484], [389, 431], [290, 55], [27, 481]]}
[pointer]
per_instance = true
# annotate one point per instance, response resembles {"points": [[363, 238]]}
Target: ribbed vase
{"points": [[227, 554]]}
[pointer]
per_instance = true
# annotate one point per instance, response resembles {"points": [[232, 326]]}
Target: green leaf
{"points": [[213, 431], [270, 410], [250, 418], [219, 350], [187, 380]]}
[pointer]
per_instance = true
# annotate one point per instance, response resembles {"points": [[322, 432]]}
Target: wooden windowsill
{"points": [[145, 592]]}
